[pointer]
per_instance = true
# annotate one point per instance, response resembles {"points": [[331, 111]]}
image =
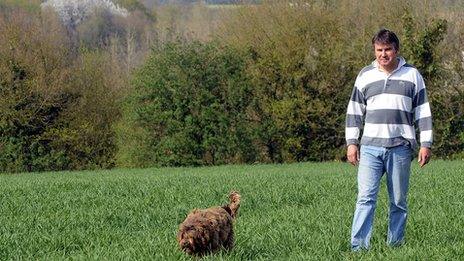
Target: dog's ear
{"points": [[234, 203], [227, 208]]}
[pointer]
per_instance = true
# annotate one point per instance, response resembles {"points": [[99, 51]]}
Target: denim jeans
{"points": [[374, 162]]}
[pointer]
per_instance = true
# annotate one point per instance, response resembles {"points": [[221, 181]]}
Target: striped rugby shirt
{"points": [[390, 106]]}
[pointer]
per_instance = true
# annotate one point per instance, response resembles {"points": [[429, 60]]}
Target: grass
{"points": [[289, 212]]}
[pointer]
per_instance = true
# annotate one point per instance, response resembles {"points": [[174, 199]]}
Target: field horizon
{"points": [[298, 211]]}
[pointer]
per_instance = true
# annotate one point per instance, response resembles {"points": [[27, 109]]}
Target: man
{"points": [[389, 97]]}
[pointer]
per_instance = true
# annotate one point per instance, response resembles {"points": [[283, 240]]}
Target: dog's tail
{"points": [[234, 203]]}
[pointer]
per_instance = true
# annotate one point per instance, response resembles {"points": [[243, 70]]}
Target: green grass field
{"points": [[288, 212]]}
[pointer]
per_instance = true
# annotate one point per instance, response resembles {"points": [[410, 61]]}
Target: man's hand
{"points": [[352, 154], [424, 156]]}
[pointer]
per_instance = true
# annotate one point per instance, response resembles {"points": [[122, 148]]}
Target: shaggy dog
{"points": [[208, 230]]}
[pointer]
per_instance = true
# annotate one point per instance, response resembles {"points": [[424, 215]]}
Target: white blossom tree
{"points": [[73, 12]]}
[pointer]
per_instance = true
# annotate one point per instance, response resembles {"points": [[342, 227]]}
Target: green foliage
{"points": [[50, 118], [420, 45], [189, 104], [32, 97], [85, 135], [449, 123], [447, 96], [424, 49]]}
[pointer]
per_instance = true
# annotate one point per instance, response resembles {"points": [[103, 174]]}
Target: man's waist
{"points": [[389, 142]]}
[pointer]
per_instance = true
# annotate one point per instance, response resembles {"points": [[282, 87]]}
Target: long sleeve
{"points": [[354, 116], [422, 114]]}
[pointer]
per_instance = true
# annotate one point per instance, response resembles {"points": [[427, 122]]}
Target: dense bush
{"points": [[56, 110], [33, 83], [189, 107], [442, 66], [85, 135]]}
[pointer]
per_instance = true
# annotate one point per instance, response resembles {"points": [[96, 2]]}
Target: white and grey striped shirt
{"points": [[389, 105]]}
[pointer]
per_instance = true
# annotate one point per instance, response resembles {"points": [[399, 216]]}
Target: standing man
{"points": [[389, 97]]}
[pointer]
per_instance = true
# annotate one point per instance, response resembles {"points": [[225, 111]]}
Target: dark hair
{"points": [[385, 36]]}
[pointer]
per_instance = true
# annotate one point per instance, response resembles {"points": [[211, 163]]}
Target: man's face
{"points": [[386, 55]]}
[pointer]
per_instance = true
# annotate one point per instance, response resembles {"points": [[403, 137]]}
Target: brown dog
{"points": [[207, 230]]}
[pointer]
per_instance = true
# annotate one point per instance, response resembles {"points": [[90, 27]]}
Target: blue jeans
{"points": [[374, 162]]}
